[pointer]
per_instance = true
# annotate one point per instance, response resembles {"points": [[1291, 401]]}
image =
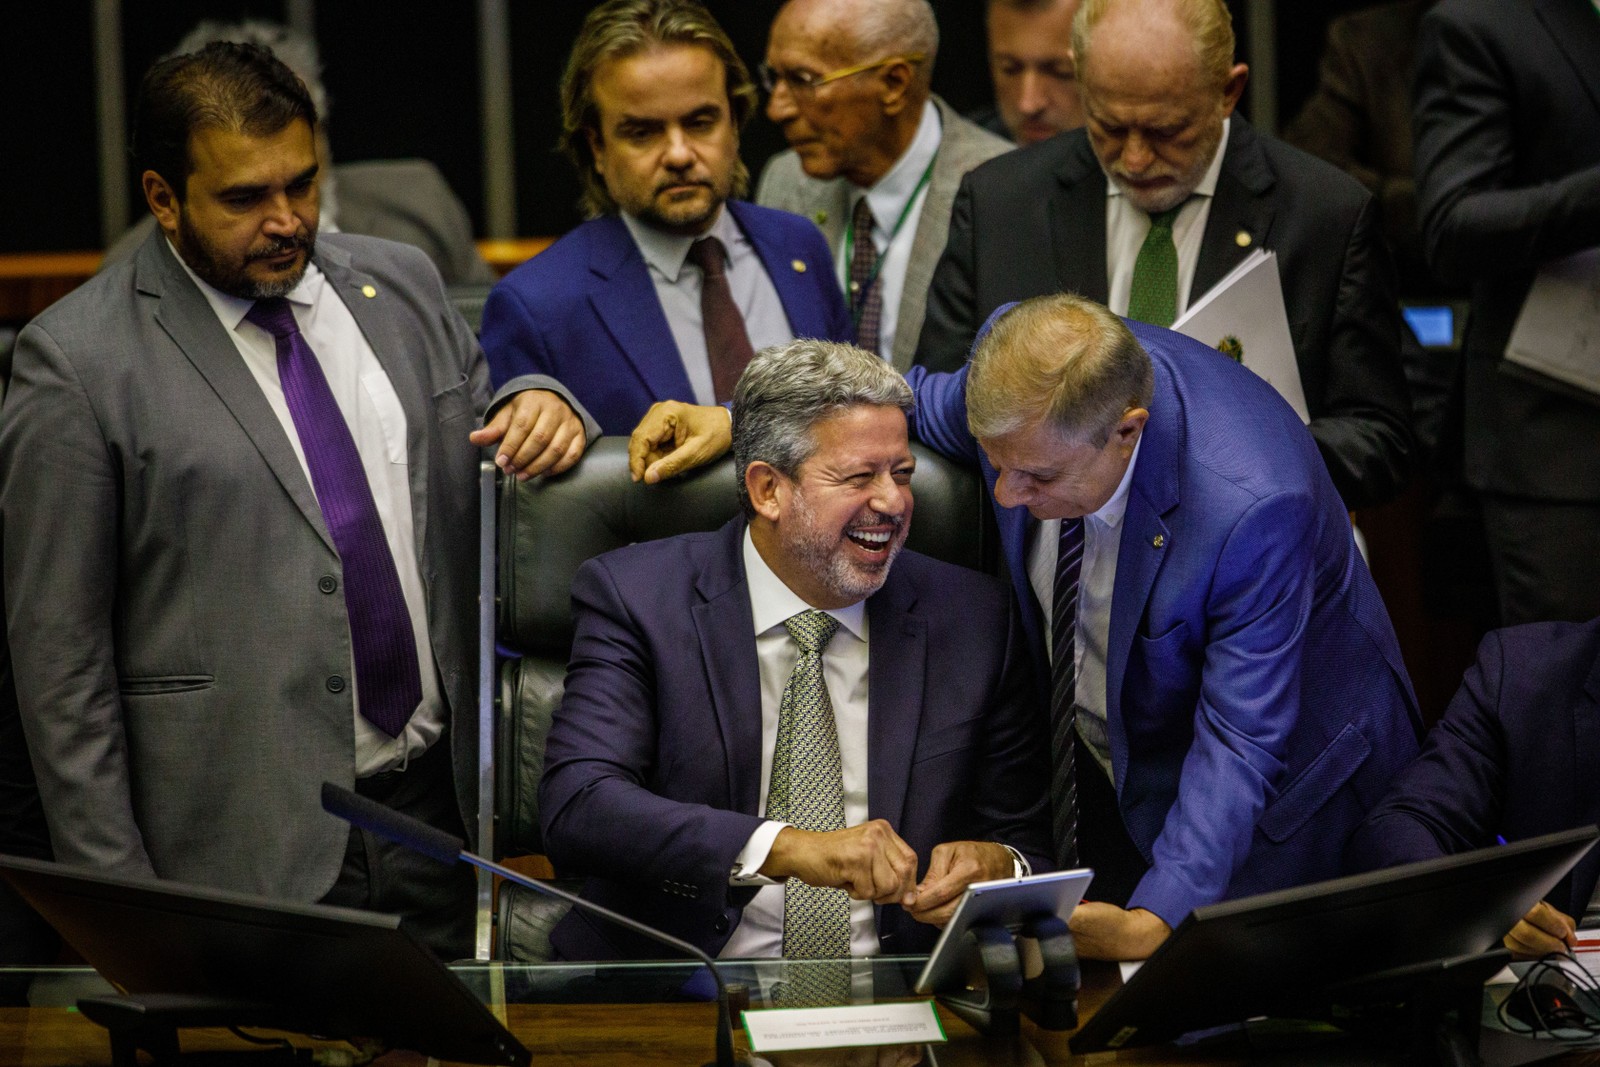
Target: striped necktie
{"points": [[1064, 693]]}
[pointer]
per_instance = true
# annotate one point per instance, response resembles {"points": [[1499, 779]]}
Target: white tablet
{"points": [[1009, 902]]}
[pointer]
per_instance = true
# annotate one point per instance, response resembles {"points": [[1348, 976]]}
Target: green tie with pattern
{"points": [[1154, 297], [807, 791]]}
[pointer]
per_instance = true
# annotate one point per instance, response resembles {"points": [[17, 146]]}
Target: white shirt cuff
{"points": [[1020, 867], [747, 863]]}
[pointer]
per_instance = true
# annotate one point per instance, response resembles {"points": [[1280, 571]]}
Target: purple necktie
{"points": [[387, 681]]}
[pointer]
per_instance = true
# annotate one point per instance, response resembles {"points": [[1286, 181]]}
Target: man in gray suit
{"points": [[875, 157], [397, 199], [238, 488]]}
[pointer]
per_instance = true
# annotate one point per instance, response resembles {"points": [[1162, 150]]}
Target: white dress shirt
{"points": [[1127, 227], [1097, 577], [372, 410], [903, 185], [678, 289], [844, 671]]}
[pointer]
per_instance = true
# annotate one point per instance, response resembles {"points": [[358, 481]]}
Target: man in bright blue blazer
{"points": [[666, 292], [1255, 700], [1237, 672]]}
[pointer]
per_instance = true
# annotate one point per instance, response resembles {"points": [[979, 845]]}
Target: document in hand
{"points": [[1558, 330], [1243, 316]]}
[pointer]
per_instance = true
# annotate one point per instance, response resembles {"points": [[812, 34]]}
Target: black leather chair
{"points": [[546, 529]]}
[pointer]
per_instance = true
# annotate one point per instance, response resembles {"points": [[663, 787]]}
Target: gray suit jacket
{"points": [[827, 203], [179, 652]]}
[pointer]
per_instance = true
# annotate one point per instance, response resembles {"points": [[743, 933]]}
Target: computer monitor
{"points": [[1279, 953], [303, 968]]}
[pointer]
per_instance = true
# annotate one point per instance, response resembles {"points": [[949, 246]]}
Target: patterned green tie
{"points": [[807, 790], [1154, 297]]}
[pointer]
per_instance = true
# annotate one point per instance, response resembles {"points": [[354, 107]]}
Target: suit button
{"points": [[327, 583], [721, 925], [335, 684]]}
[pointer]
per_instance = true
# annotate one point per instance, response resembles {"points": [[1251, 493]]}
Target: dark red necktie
{"points": [[727, 343]]}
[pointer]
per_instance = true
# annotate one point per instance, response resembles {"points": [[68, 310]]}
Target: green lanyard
{"points": [[858, 298]]}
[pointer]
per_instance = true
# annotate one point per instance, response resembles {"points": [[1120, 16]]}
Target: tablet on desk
{"points": [[1009, 902]]}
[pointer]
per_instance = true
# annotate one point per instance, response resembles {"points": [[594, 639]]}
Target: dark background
{"points": [[402, 80]]}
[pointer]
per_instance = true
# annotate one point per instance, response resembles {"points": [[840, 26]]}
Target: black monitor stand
{"points": [[1050, 999]]}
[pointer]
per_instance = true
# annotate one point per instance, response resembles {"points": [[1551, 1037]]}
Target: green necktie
{"points": [[807, 791], [1154, 297]]}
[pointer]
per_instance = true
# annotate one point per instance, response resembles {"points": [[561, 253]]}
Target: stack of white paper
{"points": [[1243, 315], [1558, 330]]}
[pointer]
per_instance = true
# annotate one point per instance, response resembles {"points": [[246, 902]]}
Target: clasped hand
{"points": [[871, 862]]}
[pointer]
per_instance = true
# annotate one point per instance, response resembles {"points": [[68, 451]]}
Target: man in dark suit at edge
{"points": [[1507, 125]]}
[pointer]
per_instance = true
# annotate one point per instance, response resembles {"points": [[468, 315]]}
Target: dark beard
{"points": [[233, 279]]}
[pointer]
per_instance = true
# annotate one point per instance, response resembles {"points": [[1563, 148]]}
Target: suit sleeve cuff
{"points": [[591, 428], [747, 864], [1169, 898]]}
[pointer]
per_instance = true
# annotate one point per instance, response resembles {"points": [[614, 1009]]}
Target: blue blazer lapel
{"points": [[1152, 494], [626, 307], [1078, 224], [1242, 204], [895, 672], [799, 298], [728, 656], [382, 319], [186, 316]]}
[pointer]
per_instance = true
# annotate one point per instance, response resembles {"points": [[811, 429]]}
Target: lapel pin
{"points": [[799, 265], [368, 291], [820, 218], [1242, 239], [1158, 540]]}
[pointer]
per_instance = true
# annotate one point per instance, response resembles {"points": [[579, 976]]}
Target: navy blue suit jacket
{"points": [[585, 312], [1256, 701], [1516, 755], [653, 765]]}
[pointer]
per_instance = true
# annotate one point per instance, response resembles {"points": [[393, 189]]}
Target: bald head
{"points": [[849, 80], [1204, 28], [1157, 80], [861, 31]]}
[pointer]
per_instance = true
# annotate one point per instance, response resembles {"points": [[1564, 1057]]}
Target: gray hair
{"points": [[789, 388], [295, 50], [888, 27], [1061, 360]]}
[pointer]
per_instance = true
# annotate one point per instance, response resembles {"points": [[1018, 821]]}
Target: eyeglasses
{"points": [[803, 82]]}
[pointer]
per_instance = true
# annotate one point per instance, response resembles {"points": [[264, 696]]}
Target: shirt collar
{"points": [[1208, 181], [666, 252], [231, 310], [771, 601], [1111, 512], [889, 197]]}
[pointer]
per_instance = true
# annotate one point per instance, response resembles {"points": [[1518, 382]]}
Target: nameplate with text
{"points": [[853, 1026]]}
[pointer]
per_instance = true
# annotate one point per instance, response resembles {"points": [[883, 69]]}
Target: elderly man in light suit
{"points": [[238, 483], [850, 83]]}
